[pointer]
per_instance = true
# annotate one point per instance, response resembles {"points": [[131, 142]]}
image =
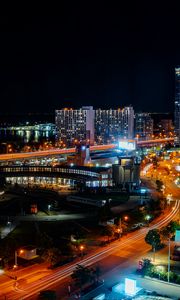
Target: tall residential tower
{"points": [[177, 106], [112, 124], [88, 125], [75, 124], [143, 126]]}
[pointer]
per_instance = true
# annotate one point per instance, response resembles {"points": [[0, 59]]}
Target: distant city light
{"points": [[177, 168], [143, 191]]}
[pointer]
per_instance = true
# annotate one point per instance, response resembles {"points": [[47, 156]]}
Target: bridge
{"points": [[80, 174], [67, 151]]}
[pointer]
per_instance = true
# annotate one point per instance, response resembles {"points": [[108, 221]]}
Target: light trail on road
{"points": [[49, 280], [26, 155]]}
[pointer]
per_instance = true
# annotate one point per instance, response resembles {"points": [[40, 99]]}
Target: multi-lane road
{"points": [[36, 282], [50, 152], [121, 253]]}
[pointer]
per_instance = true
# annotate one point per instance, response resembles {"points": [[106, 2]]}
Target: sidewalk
{"points": [[160, 287]]}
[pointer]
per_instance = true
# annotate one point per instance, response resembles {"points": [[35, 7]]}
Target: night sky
{"points": [[105, 56]]}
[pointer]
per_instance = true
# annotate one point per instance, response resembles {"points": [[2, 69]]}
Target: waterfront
{"points": [[26, 135]]}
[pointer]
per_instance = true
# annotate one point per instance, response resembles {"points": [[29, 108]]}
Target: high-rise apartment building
{"points": [[87, 124], [112, 124], [177, 106], [75, 124], [143, 125], [166, 127]]}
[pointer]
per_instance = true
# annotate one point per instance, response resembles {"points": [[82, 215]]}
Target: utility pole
{"points": [[169, 255]]}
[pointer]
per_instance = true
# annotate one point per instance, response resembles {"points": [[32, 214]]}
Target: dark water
{"points": [[25, 136]]}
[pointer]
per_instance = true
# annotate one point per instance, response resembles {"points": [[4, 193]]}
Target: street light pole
{"points": [[15, 258], [169, 255], [120, 227], [154, 251], [81, 249]]}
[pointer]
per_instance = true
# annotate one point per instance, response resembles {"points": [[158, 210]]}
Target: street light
{"points": [[21, 251], [147, 218], [81, 249], [15, 259], [120, 228], [10, 224]]}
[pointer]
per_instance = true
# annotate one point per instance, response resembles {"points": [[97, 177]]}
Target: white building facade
{"points": [[177, 107]]}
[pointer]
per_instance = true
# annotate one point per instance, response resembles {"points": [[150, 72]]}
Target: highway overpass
{"points": [[68, 151]]}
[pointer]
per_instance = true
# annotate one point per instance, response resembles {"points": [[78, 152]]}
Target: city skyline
{"points": [[90, 151], [104, 57]]}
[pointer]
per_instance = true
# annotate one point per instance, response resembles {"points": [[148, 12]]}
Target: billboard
{"points": [[130, 287], [127, 144]]}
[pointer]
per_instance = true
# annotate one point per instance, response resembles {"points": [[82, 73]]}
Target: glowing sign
{"points": [[143, 191], [130, 287], [127, 144], [177, 236]]}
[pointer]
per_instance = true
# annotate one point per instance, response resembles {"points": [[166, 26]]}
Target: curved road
{"points": [[56, 277]]}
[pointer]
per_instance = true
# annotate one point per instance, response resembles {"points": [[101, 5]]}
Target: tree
{"points": [[147, 267], [68, 249], [153, 238], [105, 212], [8, 247], [78, 239], [165, 233], [108, 231], [169, 230], [44, 241], [96, 271], [82, 275], [52, 255], [172, 226]]}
